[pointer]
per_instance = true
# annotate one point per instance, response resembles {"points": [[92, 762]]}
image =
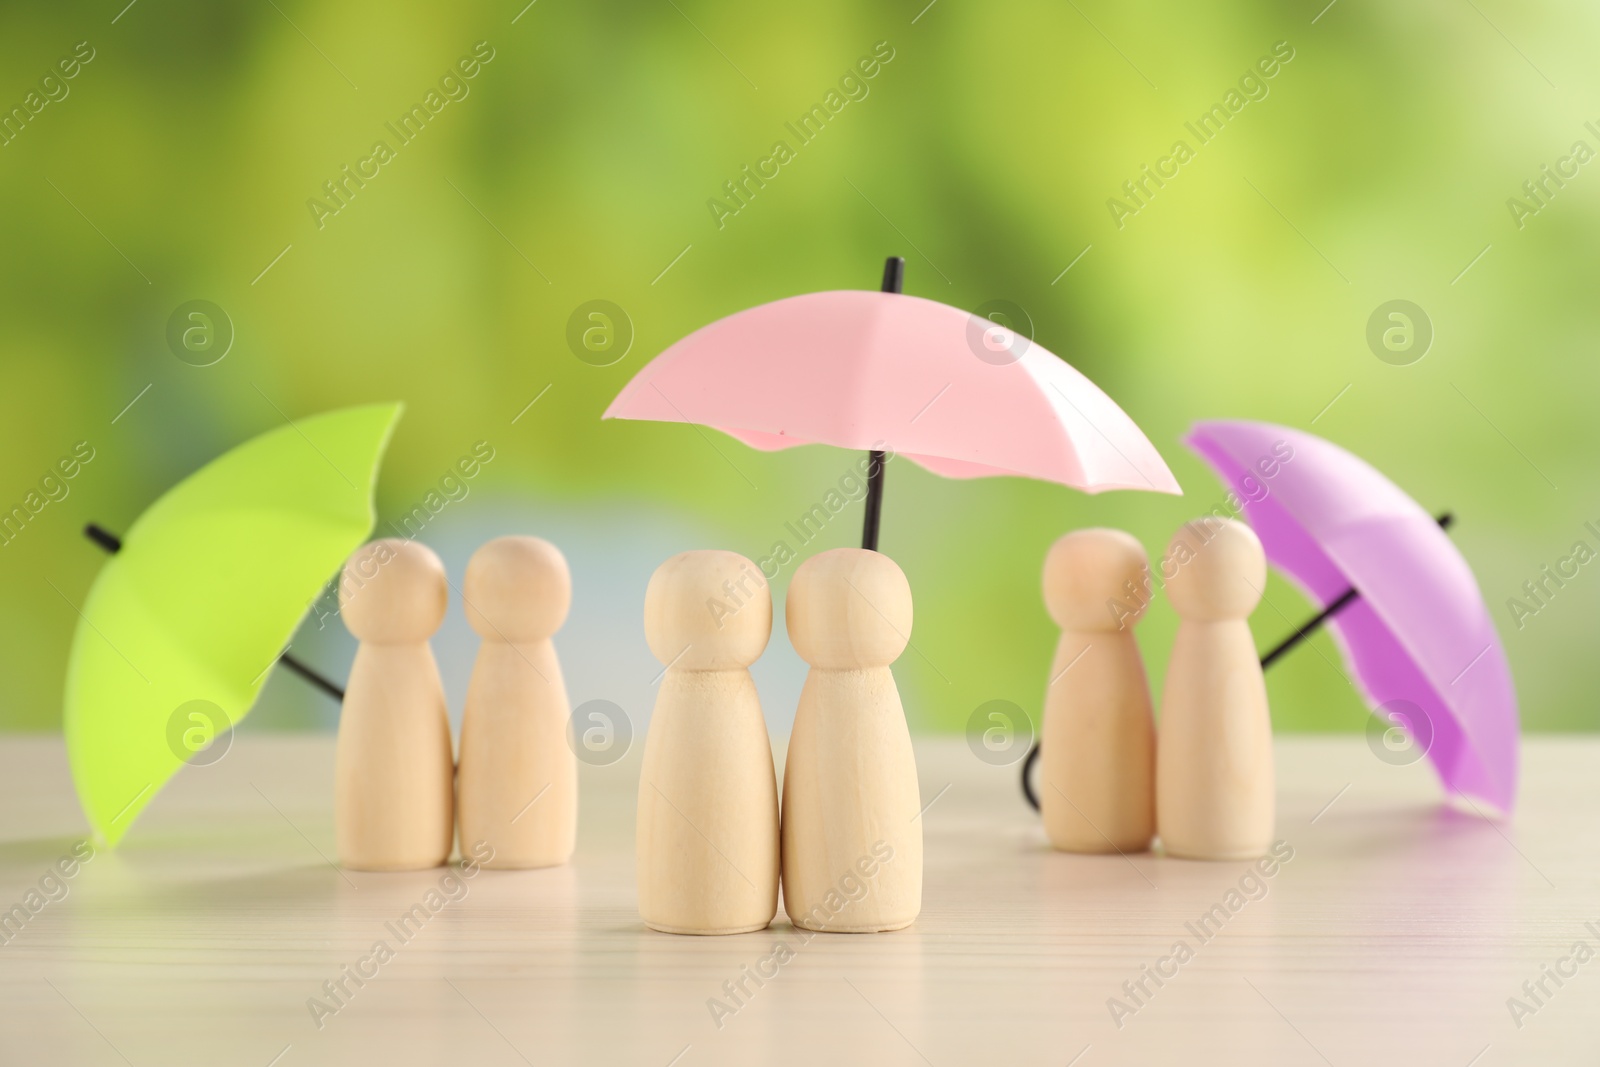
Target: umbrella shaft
{"points": [[312, 676], [874, 502], [1339, 604], [1310, 627], [894, 274]]}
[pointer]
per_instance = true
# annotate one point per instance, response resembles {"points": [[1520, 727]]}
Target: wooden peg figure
{"points": [[1214, 778], [517, 788], [1097, 741], [393, 771], [852, 839], [707, 831]]}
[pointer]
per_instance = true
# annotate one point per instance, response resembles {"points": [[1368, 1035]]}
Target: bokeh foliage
{"points": [[580, 165]]}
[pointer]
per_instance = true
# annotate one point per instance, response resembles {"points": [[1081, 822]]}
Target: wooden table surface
{"points": [[1396, 933]]}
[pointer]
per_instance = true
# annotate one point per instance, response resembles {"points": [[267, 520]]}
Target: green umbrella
{"points": [[205, 592]]}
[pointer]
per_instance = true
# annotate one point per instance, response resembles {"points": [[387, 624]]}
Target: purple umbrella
{"points": [[1404, 606]]}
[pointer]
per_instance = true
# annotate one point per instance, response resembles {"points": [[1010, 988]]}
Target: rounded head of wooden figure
{"points": [[1096, 580], [708, 611], [393, 592], [518, 589], [849, 608], [1218, 570]]}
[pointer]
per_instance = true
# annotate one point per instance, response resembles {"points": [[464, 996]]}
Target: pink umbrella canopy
{"points": [[957, 395], [1416, 630]]}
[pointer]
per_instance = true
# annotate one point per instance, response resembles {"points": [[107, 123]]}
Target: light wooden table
{"points": [[1396, 934]]}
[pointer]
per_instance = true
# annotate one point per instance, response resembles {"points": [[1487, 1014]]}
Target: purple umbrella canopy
{"points": [[1417, 635]]}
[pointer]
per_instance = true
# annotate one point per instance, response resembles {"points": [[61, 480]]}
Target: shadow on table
{"points": [[21, 857]]}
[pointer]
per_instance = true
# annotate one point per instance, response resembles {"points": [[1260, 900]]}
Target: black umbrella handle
{"points": [[1027, 777], [894, 276], [1312, 625], [113, 544]]}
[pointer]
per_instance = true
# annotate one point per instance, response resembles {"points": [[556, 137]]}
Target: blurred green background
{"points": [[179, 161]]}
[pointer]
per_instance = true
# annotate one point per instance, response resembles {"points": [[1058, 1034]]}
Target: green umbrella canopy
{"points": [[209, 586]]}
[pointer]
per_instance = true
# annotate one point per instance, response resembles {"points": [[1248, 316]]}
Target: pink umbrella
{"points": [[1404, 605], [961, 396]]}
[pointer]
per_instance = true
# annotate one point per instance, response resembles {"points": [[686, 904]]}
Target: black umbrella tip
{"points": [[894, 274], [1446, 519], [103, 537]]}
